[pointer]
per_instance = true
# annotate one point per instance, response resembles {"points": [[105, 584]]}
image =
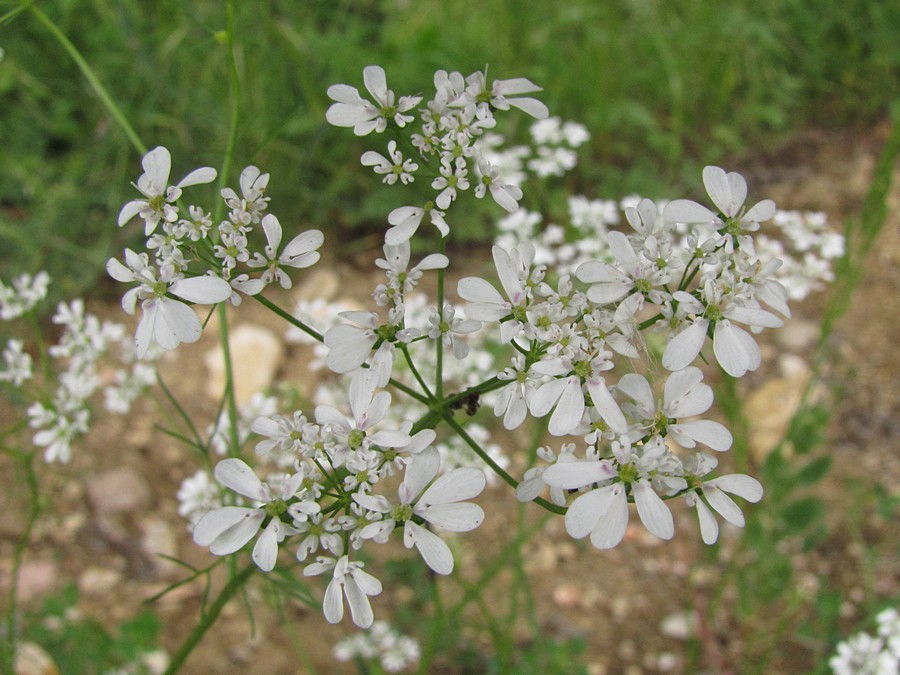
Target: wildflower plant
{"points": [[592, 330], [570, 343]]}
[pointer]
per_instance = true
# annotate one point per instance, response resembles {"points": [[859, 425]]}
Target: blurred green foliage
{"points": [[80, 645], [663, 87]]}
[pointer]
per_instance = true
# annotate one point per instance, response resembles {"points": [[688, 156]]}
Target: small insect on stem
{"points": [[469, 403]]}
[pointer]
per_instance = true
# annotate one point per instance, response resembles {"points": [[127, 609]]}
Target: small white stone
{"points": [[256, 355], [118, 490]]}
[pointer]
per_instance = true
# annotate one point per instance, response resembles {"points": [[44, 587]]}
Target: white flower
{"points": [[502, 95], [300, 252], [512, 400], [449, 328], [401, 279], [25, 293], [685, 396], [165, 321], [367, 409], [197, 496], [713, 494], [728, 192], [17, 363], [356, 584], [454, 176], [393, 167], [351, 110], [486, 303], [602, 512], [247, 208], [734, 348], [504, 194], [406, 220], [438, 505], [158, 203], [228, 529]]}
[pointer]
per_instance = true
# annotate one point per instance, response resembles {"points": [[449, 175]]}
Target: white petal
{"points": [[733, 352], [761, 212], [685, 395], [206, 290], [157, 163], [684, 347], [460, 517], [719, 188], [433, 549], [606, 405], [349, 347], [530, 106], [585, 512], [508, 275], [265, 552], [741, 485], [454, 486], [476, 289], [687, 211], [303, 245], [333, 604], [753, 317], [638, 388], [130, 210], [569, 409], [168, 323], [375, 81], [594, 271], [611, 528], [419, 472], [214, 523], [709, 528], [118, 271], [237, 475], [546, 396], [724, 505], [273, 231], [360, 608], [602, 294], [234, 538], [573, 475], [711, 434], [377, 503], [205, 174], [652, 510]]}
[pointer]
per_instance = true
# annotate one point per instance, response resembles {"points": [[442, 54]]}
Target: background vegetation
{"points": [[664, 87]]}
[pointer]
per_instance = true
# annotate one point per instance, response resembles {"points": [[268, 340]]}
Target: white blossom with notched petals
{"points": [[159, 196]]}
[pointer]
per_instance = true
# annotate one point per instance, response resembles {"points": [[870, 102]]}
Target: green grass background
{"points": [[664, 87]]}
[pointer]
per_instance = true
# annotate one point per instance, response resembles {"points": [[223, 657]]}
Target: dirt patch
{"points": [[636, 607]]}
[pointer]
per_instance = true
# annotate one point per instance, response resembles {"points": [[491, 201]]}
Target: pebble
{"points": [[95, 582], [680, 625], [37, 578], [118, 490], [159, 540], [31, 659], [256, 354]]}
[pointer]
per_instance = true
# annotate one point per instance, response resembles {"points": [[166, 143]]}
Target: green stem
{"points": [[92, 79], [234, 94], [290, 318], [7, 655], [415, 372], [209, 618], [439, 368], [472, 443], [231, 398]]}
